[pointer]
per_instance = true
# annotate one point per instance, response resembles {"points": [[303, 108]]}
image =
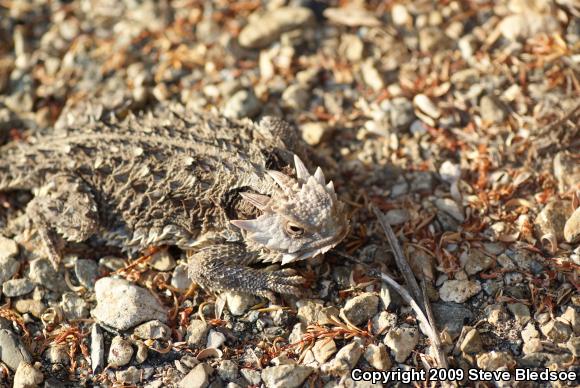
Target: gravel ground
{"points": [[458, 120]]}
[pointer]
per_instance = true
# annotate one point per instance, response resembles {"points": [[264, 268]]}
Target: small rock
{"points": [[471, 343], [520, 311], [228, 370], [346, 359], [8, 249], [120, 352], [313, 133], [297, 333], [557, 331], [180, 278], [239, 303], [573, 345], [123, 305], [323, 349], [361, 308], [263, 31], [491, 110], [27, 376], [243, 103], [17, 287], [352, 47], [215, 339], [572, 317], [352, 16], [74, 306], [397, 216], [86, 272], [400, 15], [495, 360], [383, 321], [295, 97], [572, 227], [451, 317], [377, 357], [129, 376], [286, 376], [12, 351], [141, 353], [196, 378], [197, 332], [566, 170], [402, 341], [371, 76], [530, 332], [552, 219], [389, 297], [459, 291], [57, 354], [252, 376], [97, 348], [41, 272], [8, 268], [152, 330], [528, 24], [162, 261], [34, 307], [450, 207], [475, 261]]}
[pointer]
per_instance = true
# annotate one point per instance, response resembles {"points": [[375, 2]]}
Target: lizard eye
{"points": [[294, 230]]}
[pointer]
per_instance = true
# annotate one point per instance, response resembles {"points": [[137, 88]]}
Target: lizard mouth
{"points": [[316, 248]]}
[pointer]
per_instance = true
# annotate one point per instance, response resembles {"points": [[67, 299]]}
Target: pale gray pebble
{"points": [[152, 330], [131, 375], [27, 376], [361, 308], [42, 272], [286, 376], [13, 351], [196, 378], [402, 341], [124, 305], [228, 370], [120, 352], [243, 103], [97, 348], [8, 249], [17, 287], [346, 359], [239, 303], [492, 110], [180, 278], [252, 376], [74, 306], [266, 29], [197, 332], [86, 272]]}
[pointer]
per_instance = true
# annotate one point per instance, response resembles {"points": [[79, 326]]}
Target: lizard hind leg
{"points": [[63, 209], [224, 266]]}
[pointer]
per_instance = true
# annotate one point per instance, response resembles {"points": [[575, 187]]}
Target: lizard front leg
{"points": [[224, 266], [63, 208]]}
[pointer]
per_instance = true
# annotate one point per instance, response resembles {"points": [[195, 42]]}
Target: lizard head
{"points": [[302, 219]]}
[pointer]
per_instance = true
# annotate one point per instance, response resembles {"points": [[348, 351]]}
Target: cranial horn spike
{"points": [[330, 186], [249, 225], [284, 181], [258, 200], [301, 170], [319, 175]]}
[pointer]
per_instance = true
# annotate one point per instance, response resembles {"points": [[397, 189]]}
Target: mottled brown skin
{"points": [[179, 178]]}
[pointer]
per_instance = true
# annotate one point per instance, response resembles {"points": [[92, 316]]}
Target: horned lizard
{"points": [[218, 188]]}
